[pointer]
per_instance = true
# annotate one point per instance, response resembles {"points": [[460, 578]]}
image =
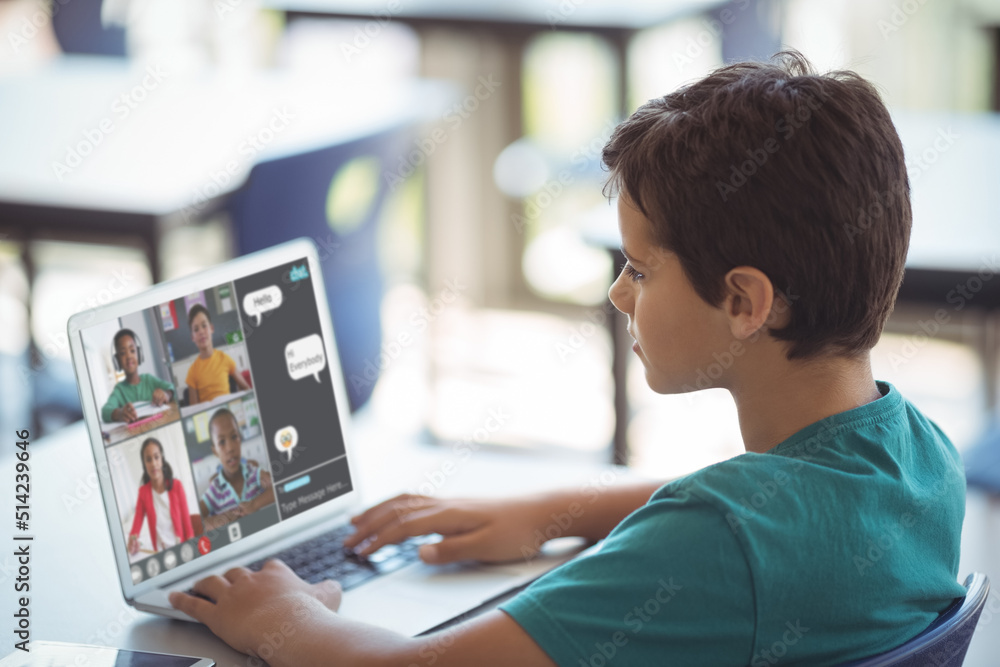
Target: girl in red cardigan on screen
{"points": [[162, 499]]}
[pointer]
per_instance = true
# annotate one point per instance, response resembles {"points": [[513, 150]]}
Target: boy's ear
{"points": [[749, 301]]}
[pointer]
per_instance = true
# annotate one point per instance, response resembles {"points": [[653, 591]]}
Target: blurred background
{"points": [[445, 158]]}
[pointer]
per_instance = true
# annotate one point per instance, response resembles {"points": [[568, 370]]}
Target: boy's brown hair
{"points": [[773, 166]]}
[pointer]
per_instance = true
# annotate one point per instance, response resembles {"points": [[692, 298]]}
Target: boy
{"points": [[135, 386], [239, 487], [208, 377], [834, 537]]}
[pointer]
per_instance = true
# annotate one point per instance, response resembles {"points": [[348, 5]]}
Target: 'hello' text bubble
{"points": [[286, 439], [305, 356], [257, 303]]}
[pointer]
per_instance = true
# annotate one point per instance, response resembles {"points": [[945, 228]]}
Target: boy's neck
{"points": [[237, 477], [133, 378], [785, 398], [206, 353]]}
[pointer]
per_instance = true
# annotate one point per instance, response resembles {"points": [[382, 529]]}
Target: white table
{"points": [[154, 148], [75, 595]]}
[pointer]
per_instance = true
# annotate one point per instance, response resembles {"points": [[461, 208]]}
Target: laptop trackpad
{"points": [[421, 596]]}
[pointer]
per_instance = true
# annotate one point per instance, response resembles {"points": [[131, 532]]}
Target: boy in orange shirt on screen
{"points": [[208, 377]]}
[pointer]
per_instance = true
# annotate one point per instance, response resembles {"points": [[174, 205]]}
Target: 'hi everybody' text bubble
{"points": [[305, 356]]}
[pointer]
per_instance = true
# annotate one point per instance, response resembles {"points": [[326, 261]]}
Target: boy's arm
{"points": [[497, 530], [265, 497], [114, 401], [240, 617], [190, 380], [161, 385], [235, 374]]}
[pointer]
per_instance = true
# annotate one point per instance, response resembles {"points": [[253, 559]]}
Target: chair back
{"points": [[945, 642]]}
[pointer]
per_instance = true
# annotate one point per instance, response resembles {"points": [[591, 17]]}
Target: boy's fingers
{"points": [[402, 500], [377, 518], [420, 523], [196, 608], [467, 546], [211, 587]]}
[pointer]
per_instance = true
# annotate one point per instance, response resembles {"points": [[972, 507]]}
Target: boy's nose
{"points": [[617, 295]]}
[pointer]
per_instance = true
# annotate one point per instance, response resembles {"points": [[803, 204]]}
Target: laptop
{"points": [[241, 410]]}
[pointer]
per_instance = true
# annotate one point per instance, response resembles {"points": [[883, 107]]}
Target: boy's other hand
{"points": [[484, 530], [125, 413], [250, 606], [160, 397]]}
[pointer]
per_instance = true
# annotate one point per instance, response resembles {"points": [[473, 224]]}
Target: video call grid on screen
{"points": [[270, 335]]}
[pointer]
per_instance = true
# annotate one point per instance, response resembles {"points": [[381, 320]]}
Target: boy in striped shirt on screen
{"points": [[239, 487]]}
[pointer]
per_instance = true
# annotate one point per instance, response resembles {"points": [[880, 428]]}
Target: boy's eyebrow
{"points": [[630, 258]]}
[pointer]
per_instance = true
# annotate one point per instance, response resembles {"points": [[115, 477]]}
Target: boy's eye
{"points": [[632, 273]]}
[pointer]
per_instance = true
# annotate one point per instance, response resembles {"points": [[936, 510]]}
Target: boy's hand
{"points": [[125, 413], [160, 397], [250, 606], [485, 530]]}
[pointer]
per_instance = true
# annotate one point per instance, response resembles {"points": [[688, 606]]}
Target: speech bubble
{"points": [[305, 356], [257, 303], [286, 439]]}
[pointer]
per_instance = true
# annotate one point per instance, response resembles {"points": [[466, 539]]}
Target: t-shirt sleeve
{"points": [[160, 384], [228, 364], [670, 585], [115, 401], [191, 379]]}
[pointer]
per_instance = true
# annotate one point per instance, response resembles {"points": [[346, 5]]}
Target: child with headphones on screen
{"points": [[764, 212], [127, 356]]}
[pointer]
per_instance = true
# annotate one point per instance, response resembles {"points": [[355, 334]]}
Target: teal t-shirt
{"points": [[839, 543], [130, 393]]}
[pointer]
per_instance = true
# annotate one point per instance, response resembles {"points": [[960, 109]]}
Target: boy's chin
{"points": [[671, 385]]}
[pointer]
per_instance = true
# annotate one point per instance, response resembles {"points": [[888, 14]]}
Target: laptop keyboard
{"points": [[325, 557]]}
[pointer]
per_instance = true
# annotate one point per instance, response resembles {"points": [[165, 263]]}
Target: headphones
{"points": [[114, 352]]}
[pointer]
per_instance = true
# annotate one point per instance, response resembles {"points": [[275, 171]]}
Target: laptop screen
{"points": [[217, 414]]}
